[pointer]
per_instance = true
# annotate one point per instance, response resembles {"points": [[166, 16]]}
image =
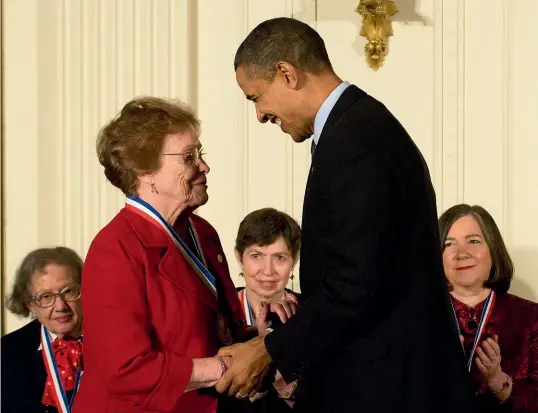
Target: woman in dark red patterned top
{"points": [[499, 331]]}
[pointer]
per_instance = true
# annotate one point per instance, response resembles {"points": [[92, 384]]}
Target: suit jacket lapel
{"points": [[348, 98], [172, 266], [36, 372]]}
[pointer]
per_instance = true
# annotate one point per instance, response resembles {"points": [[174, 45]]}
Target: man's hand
{"points": [[251, 363]]}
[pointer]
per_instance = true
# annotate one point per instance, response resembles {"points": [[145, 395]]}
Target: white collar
{"points": [[325, 109], [52, 338]]}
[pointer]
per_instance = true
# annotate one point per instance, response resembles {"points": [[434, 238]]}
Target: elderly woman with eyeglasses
{"points": [[158, 298], [42, 361]]}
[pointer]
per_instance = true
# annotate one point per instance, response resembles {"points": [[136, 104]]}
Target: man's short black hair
{"points": [[282, 39]]}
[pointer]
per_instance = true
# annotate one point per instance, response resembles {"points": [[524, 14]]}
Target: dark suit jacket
{"points": [[23, 371], [376, 332]]}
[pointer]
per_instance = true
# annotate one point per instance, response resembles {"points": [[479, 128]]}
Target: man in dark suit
{"points": [[376, 332]]}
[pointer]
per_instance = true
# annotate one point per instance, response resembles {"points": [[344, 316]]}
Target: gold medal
{"points": [[225, 333]]}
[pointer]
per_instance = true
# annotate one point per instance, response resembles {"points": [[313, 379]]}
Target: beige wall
{"points": [[460, 76]]}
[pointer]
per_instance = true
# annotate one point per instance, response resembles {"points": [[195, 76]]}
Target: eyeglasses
{"points": [[190, 157], [47, 299]]}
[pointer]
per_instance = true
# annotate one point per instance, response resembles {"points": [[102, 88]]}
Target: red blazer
{"points": [[147, 314]]}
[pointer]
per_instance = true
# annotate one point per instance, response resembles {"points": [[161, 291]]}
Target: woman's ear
{"points": [[239, 259], [146, 179], [295, 261], [30, 307]]}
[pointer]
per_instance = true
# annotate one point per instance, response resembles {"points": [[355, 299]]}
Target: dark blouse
{"points": [[515, 321]]}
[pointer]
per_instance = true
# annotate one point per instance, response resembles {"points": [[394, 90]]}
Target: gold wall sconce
{"points": [[376, 27]]}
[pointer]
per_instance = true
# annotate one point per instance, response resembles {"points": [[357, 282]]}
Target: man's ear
{"points": [[288, 73]]}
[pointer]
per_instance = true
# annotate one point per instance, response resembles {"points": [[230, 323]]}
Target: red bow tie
{"points": [[68, 356]]}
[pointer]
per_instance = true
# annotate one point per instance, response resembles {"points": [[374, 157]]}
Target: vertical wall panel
{"points": [[183, 49], [49, 135], [438, 120], [160, 48], [453, 109], [72, 88], [484, 105], [21, 108], [522, 165], [111, 80], [89, 212], [222, 109]]}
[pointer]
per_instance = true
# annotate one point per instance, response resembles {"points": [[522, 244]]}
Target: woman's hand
{"points": [[284, 308], [489, 365], [489, 358]]}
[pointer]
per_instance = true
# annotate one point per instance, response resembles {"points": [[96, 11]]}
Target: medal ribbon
{"points": [[207, 278], [62, 404], [247, 311], [246, 308], [486, 314]]}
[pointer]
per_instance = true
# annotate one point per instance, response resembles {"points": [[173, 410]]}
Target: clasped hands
{"points": [[248, 364]]}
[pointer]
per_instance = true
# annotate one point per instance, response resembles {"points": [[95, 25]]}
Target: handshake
{"points": [[246, 368]]}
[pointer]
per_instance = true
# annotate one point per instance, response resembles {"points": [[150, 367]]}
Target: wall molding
{"points": [[507, 123], [453, 42]]}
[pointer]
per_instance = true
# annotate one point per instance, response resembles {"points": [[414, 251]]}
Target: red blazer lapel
{"points": [[218, 265], [172, 265]]}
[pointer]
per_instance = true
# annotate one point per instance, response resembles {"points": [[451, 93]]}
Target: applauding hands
{"points": [[488, 361]]}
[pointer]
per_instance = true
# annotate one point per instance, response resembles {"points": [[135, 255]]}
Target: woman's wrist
{"points": [[501, 386], [207, 371], [286, 391]]}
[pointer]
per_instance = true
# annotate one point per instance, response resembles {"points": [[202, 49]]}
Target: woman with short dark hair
{"points": [[267, 249], [42, 361], [499, 331]]}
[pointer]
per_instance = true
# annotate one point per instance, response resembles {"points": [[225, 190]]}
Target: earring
{"points": [[292, 278], [241, 274], [153, 188]]}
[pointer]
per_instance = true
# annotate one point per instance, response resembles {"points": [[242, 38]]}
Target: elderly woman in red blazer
{"points": [[158, 298], [499, 331]]}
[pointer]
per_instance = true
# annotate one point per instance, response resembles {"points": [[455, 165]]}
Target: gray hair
{"points": [[36, 261]]}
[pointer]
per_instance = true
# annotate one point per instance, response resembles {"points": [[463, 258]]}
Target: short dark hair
{"points": [[502, 267], [282, 39], [264, 226], [36, 261]]}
